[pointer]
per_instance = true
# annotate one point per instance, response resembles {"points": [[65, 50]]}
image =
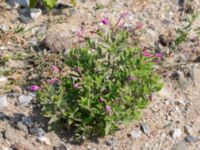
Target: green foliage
{"points": [[182, 33], [49, 3], [109, 81]]}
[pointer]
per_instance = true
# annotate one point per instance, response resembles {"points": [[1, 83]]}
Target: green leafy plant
{"points": [[49, 3], [182, 33], [110, 79]]}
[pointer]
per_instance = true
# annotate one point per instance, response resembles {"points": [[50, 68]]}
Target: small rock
{"points": [[24, 3], [9, 134], [44, 140], [25, 99], [62, 147], [179, 146], [176, 133], [188, 130], [57, 41], [35, 13], [4, 27], [3, 81], [3, 101], [37, 131], [2, 116], [27, 121], [190, 139], [135, 134], [91, 148], [110, 142], [145, 128], [25, 19], [21, 127]]}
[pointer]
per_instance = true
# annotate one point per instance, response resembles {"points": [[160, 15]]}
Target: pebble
{"points": [[135, 134], [145, 128], [62, 147], [25, 19], [35, 13], [190, 139], [91, 148], [4, 27], [21, 126], [176, 133], [27, 121], [37, 131], [179, 146], [57, 41], [25, 99], [3, 101], [110, 142], [9, 134], [24, 3], [44, 140], [188, 130]]}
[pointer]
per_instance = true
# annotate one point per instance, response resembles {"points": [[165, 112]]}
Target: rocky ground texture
{"points": [[172, 119]]}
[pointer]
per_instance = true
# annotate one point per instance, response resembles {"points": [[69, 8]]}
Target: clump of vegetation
{"points": [[49, 3], [109, 80]]}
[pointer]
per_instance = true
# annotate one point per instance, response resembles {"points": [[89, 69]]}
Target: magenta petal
{"points": [[158, 55], [105, 21], [147, 54], [108, 109], [34, 88]]}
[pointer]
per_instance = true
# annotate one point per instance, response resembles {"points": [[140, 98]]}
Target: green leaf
{"points": [[50, 3], [73, 2]]}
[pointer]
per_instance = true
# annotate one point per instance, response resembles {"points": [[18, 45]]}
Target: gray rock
{"points": [[9, 133], [37, 131], [188, 129], [135, 134], [175, 133], [27, 121], [25, 19], [25, 99], [44, 140], [24, 3], [2, 116], [145, 128], [62, 147], [91, 148], [21, 127], [179, 146], [3, 101], [110, 142], [190, 139], [57, 41], [4, 27], [35, 13]]}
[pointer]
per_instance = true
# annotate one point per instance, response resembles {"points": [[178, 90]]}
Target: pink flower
{"points": [[77, 86], [54, 68], [147, 54], [131, 78], [158, 55], [108, 109], [101, 100], [52, 81], [78, 70], [34, 88], [105, 21]]}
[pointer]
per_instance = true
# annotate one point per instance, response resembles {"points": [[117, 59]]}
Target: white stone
{"points": [[44, 140], [3, 101], [176, 133], [35, 13]]}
